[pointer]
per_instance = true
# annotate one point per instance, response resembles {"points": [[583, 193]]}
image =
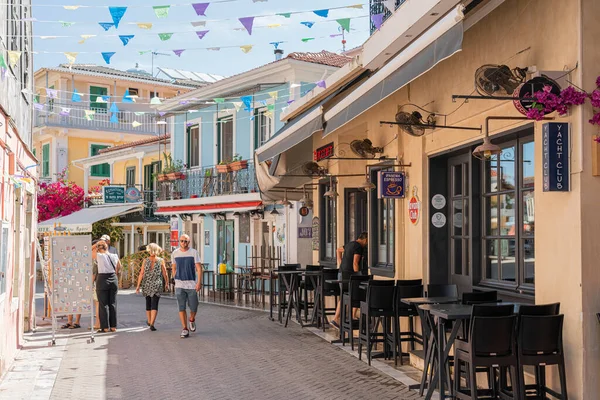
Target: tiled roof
{"points": [[324, 57], [161, 138], [107, 71]]}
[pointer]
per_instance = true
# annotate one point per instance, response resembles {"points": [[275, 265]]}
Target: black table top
{"points": [[429, 300], [456, 311]]}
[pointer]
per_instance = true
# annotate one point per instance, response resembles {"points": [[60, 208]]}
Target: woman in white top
{"points": [[107, 285]]}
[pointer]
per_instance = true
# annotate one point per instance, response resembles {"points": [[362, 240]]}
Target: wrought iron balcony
{"points": [[208, 182], [377, 7], [53, 113]]}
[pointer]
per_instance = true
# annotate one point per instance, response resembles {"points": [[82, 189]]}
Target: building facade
{"points": [[18, 182], [215, 132], [473, 218]]}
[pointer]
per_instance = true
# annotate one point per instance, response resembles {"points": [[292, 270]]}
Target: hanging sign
{"points": [[133, 195], [523, 93], [555, 156], [391, 185], [113, 194], [304, 211], [323, 152], [414, 207], [315, 233], [438, 220]]}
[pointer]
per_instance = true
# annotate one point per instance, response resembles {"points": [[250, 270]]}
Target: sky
{"points": [[221, 20]]}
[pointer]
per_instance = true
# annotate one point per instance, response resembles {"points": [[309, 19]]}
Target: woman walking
{"points": [[107, 285], [151, 277]]}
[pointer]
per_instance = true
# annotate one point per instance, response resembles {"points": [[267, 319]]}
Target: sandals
{"points": [[101, 331], [75, 326], [66, 326]]}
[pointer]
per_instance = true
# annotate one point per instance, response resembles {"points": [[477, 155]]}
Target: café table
{"points": [[444, 313], [340, 282], [315, 279], [429, 334], [290, 280]]}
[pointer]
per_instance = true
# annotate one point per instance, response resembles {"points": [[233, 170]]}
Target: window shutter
{"points": [[46, 160]]}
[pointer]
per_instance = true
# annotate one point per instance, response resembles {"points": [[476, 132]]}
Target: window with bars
{"points": [[509, 216]]}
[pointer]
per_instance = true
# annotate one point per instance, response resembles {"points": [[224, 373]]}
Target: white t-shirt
{"points": [[185, 263], [104, 263]]}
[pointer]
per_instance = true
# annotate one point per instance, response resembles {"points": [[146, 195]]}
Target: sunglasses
{"points": [[184, 241]]}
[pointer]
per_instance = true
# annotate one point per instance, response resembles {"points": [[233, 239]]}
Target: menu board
{"points": [[72, 286]]}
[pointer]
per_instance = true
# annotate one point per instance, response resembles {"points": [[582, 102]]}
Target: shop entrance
{"points": [[225, 243]]}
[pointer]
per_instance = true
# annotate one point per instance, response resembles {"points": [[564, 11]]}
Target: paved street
{"points": [[234, 353]]}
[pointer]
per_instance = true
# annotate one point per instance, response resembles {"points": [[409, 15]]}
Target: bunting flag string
{"points": [[201, 34], [144, 25], [247, 22], [125, 39], [178, 52], [246, 48], [107, 56], [390, 5], [13, 57], [106, 25], [117, 13], [76, 98], [309, 24], [161, 11], [71, 57], [377, 20], [200, 8], [165, 36], [344, 23]]}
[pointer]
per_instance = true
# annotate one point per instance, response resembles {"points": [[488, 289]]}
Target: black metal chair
{"points": [[328, 290], [306, 286], [379, 305], [282, 289], [539, 309], [351, 299], [491, 344], [539, 344], [441, 290], [402, 310], [409, 282], [471, 298]]}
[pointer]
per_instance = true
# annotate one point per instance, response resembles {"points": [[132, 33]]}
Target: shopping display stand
{"points": [[67, 269]]}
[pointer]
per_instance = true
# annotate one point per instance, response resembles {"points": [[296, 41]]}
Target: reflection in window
{"points": [[509, 215], [382, 229]]}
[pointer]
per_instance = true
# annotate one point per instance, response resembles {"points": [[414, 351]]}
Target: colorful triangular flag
{"points": [[2, 62], [309, 24], [377, 20], [271, 107], [127, 97], [76, 97], [144, 25], [246, 48], [71, 56], [165, 36], [64, 111], [271, 26], [38, 106], [107, 55], [114, 119], [274, 95], [51, 93], [114, 108], [178, 52], [286, 15], [248, 22], [322, 13], [200, 8], [390, 5], [66, 24], [358, 6], [196, 24], [237, 105], [344, 23], [321, 84], [89, 114], [70, 7], [161, 122], [13, 57], [161, 11], [247, 100], [308, 39], [135, 124], [219, 100], [125, 39], [85, 37], [106, 25], [276, 44], [117, 13], [201, 34]]}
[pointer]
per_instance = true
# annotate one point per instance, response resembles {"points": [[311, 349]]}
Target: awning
{"points": [[81, 221], [435, 45], [239, 206]]}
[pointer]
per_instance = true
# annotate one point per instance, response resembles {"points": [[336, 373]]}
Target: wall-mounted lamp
{"points": [[275, 212], [331, 193]]}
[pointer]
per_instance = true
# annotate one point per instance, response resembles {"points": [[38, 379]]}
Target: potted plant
{"points": [[223, 167], [175, 172], [238, 164]]}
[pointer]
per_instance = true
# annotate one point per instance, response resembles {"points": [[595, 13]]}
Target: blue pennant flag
{"points": [[117, 13], [106, 25], [276, 44], [106, 98], [76, 97], [127, 98], [308, 23], [247, 100], [125, 39], [114, 108], [322, 13], [107, 56], [114, 119], [263, 102]]}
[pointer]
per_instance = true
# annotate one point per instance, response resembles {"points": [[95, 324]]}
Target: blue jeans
{"points": [[189, 296]]}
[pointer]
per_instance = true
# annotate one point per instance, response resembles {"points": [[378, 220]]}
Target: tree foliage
{"points": [[104, 227]]}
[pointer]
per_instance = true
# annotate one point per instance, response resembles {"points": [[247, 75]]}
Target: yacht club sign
{"points": [[555, 156]]}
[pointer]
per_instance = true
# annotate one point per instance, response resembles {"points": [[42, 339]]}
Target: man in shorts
{"points": [[188, 281]]}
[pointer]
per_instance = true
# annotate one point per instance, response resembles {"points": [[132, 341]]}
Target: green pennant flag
{"points": [[344, 23], [66, 24], [161, 11], [286, 15], [165, 36], [271, 107], [308, 39], [144, 52], [2, 62], [219, 100]]}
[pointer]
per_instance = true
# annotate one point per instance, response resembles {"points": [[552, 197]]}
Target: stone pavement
{"points": [[234, 353]]}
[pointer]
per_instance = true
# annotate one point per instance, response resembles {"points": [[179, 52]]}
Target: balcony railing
{"points": [[377, 7], [55, 114], [207, 182]]}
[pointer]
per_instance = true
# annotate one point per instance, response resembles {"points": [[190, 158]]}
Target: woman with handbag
{"points": [[107, 285], [151, 277]]}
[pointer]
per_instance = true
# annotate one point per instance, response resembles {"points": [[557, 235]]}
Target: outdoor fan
{"points": [[313, 169], [410, 122], [498, 80], [364, 148]]}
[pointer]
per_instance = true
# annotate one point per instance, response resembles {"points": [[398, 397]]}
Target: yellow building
{"points": [[82, 109]]}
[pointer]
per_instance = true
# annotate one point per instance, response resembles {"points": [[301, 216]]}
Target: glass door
{"points": [[226, 244]]}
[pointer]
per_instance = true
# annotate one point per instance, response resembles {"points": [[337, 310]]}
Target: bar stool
{"points": [[306, 287], [328, 290], [351, 300], [379, 304], [282, 289], [402, 310]]}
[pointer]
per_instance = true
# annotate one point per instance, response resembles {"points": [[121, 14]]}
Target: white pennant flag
{"points": [[390, 5], [237, 105], [295, 85]]}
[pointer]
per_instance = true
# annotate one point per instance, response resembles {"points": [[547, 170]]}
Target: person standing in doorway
{"points": [[349, 259], [107, 285], [188, 281], [111, 249], [151, 280]]}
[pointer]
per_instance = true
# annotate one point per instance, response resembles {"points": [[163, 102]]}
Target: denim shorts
{"points": [[189, 296]]}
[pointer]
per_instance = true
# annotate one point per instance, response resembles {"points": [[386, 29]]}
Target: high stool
{"points": [[379, 304]]}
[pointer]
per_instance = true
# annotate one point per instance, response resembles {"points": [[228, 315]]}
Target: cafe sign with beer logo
{"points": [[391, 185]]}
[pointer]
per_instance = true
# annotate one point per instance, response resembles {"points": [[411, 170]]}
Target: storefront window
{"points": [[327, 225], [509, 216], [382, 233]]}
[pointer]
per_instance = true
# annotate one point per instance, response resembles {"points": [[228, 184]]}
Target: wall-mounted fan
{"points": [[498, 80], [412, 123], [365, 149], [313, 169]]}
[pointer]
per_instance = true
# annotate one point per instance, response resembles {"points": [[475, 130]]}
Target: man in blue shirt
{"points": [[188, 281]]}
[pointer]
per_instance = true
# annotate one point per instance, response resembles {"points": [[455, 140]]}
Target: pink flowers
{"points": [[58, 199]]}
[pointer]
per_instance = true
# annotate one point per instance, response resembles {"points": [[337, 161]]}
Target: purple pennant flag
{"points": [[200, 8], [322, 84], [178, 52], [183, 102], [290, 102], [38, 106], [201, 34], [247, 22], [377, 20], [161, 113]]}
